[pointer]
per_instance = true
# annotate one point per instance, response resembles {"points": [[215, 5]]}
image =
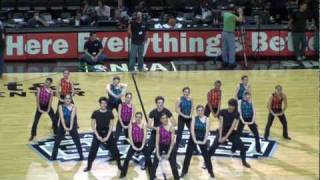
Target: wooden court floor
{"points": [[297, 159]]}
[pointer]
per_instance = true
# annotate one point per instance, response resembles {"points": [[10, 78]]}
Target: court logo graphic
{"points": [[68, 152]]}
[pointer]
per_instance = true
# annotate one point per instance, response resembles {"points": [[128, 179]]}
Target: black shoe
{"points": [[225, 65], [212, 175], [245, 164], [232, 66], [182, 175], [122, 176], [287, 137], [266, 138], [31, 138], [53, 159], [81, 158], [87, 169]]}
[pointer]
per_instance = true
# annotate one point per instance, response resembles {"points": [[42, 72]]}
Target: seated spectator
{"points": [[77, 21], [103, 11], [93, 51], [37, 21], [87, 13]]}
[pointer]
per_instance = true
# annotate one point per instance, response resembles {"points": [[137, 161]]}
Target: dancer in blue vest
{"points": [[184, 108], [248, 117], [67, 123], [199, 136], [115, 91], [243, 87]]}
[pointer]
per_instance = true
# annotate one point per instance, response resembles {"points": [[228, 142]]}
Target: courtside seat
{"points": [[40, 5], [72, 4], [24, 5], [7, 5], [56, 4]]}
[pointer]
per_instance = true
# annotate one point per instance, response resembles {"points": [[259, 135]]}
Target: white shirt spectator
{"points": [[103, 11]]}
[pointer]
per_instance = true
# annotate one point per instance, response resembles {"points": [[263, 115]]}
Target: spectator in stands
{"points": [[103, 11], [78, 21], [229, 43], [298, 24], [278, 10], [37, 21], [87, 13], [93, 51], [137, 31]]}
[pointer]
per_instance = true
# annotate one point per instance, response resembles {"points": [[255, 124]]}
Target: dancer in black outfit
{"points": [[67, 123], [138, 137], [165, 147], [154, 121], [44, 105], [199, 136], [102, 124], [228, 120]]}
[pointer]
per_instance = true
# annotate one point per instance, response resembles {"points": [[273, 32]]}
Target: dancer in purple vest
{"points": [[138, 136], [44, 105]]}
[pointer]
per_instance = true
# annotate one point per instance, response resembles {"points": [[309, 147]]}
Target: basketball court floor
{"points": [[297, 159]]}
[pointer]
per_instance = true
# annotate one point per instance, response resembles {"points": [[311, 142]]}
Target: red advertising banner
{"points": [[41, 46], [168, 44]]}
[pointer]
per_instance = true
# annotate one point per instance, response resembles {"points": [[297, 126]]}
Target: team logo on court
{"points": [[68, 152]]}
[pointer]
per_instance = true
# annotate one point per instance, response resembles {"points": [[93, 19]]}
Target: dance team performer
{"points": [[138, 138], [102, 125], [67, 124], [277, 106], [184, 108], [44, 105], [199, 136]]}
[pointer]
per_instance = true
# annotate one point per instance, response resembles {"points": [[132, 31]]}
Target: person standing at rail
{"points": [[228, 35]]}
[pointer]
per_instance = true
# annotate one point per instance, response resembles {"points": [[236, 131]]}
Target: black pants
{"points": [[152, 142], [111, 145], [130, 153], [118, 131], [283, 121], [181, 122], [37, 118], [254, 130], [172, 161], [60, 135], [113, 105], [205, 154], [207, 110], [235, 140]]}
